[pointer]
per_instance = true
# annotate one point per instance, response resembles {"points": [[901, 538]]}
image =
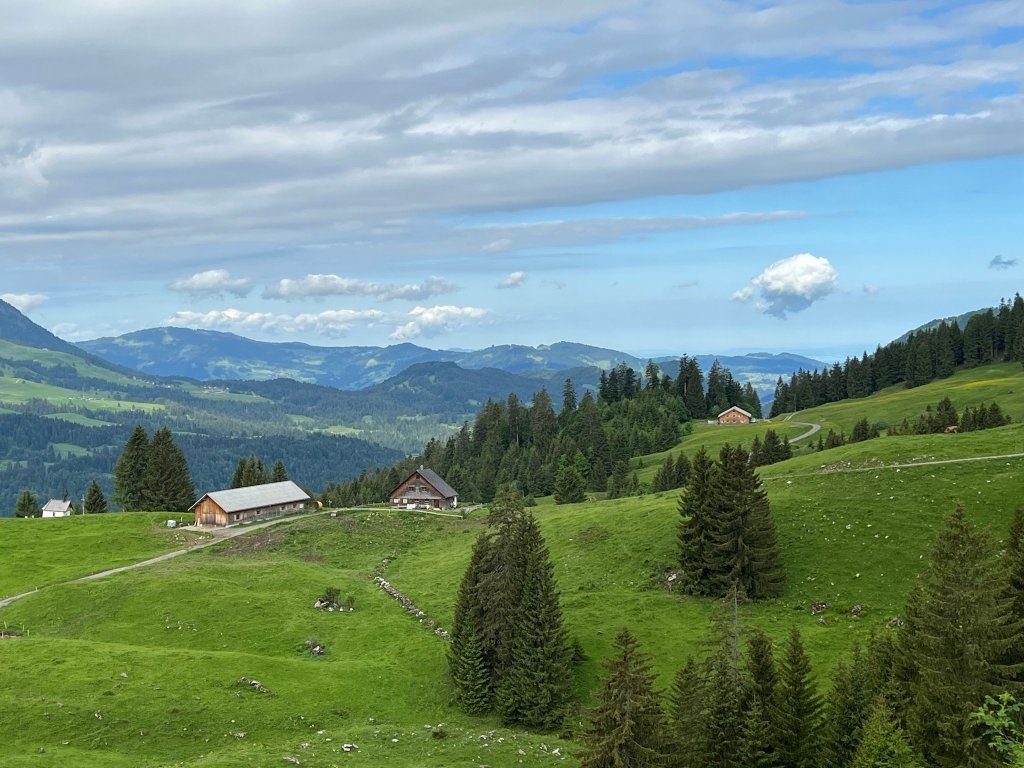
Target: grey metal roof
{"points": [[434, 479], [57, 505], [256, 496], [748, 414]]}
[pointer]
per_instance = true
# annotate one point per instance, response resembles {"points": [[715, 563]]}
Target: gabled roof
{"points": [[57, 505], [738, 410], [256, 496], [434, 479]]}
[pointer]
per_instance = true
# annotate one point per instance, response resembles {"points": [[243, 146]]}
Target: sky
{"points": [[658, 177]]}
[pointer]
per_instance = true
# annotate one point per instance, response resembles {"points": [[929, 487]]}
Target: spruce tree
{"points": [[682, 470], [847, 707], [94, 499], [278, 474], [627, 725], [762, 677], [756, 746], [742, 552], [1015, 562], [27, 505], [723, 719], [797, 709], [130, 472], [686, 731], [467, 664], [168, 484], [570, 487], [537, 684], [694, 524], [883, 744], [959, 643], [238, 478]]}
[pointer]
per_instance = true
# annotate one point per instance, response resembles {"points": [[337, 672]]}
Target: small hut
{"points": [[58, 508]]}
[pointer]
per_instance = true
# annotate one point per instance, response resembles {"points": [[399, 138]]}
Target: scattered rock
{"points": [[819, 606], [855, 610], [292, 760], [411, 608], [254, 685], [238, 734], [895, 621], [349, 747]]}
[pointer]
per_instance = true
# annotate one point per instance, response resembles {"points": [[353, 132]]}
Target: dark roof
{"points": [[256, 496], [434, 479]]}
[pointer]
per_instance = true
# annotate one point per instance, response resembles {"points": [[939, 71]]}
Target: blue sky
{"points": [[813, 176]]}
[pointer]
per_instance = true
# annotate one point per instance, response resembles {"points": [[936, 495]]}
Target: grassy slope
{"points": [[854, 525]]}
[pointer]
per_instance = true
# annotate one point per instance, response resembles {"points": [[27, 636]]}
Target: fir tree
{"points": [[798, 708], [620, 483], [694, 525], [238, 478], [846, 709], [537, 684], [168, 484], [278, 474], [95, 502], [570, 486], [626, 727], [131, 470], [686, 734], [959, 642], [683, 469], [27, 505], [762, 677], [742, 551], [723, 718], [756, 747], [883, 744], [467, 664]]}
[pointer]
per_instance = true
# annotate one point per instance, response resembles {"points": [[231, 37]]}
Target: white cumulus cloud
{"points": [[333, 322], [318, 286], [429, 321], [512, 280], [791, 285], [23, 302], [212, 282]]}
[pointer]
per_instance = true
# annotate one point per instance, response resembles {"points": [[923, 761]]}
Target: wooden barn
{"points": [[424, 489], [58, 508], [253, 502], [735, 415]]}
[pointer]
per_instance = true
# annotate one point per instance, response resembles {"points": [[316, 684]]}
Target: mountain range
{"points": [[214, 355]]}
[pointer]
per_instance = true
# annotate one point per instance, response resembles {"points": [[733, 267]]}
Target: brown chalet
{"points": [[735, 415], [424, 489], [253, 502]]}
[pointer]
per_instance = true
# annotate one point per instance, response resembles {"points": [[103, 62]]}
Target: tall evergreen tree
{"points": [[131, 470], [686, 731], [960, 642], [238, 478], [570, 487], [626, 727], [798, 708], [95, 502], [695, 523], [537, 685], [847, 707], [467, 664], [168, 483], [883, 744], [278, 474], [27, 505], [743, 550]]}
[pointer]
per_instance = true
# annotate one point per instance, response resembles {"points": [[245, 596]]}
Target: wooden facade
{"points": [[424, 489], [735, 415], [256, 502]]}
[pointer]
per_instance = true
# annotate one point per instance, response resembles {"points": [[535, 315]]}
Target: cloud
{"points": [[791, 285], [870, 289], [429, 321], [334, 322], [512, 280], [24, 302], [998, 262], [319, 286], [687, 284], [212, 282]]}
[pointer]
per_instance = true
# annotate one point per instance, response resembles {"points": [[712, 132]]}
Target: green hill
{"points": [[143, 668]]}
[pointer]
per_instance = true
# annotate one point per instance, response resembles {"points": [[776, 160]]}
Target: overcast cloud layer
{"points": [[215, 164]]}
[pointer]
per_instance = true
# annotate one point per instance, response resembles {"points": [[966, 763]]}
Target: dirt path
{"points": [[217, 535], [814, 429], [905, 465]]}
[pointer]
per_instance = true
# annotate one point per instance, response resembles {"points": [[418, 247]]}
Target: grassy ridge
{"points": [[854, 523]]}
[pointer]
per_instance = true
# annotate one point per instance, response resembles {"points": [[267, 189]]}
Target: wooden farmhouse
{"points": [[735, 415], [58, 508], [253, 502], [424, 489]]}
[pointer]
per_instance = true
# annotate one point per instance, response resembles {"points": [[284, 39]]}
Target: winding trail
{"points": [[217, 536]]}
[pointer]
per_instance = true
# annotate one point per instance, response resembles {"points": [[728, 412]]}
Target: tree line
{"points": [[994, 335], [584, 446], [935, 688]]}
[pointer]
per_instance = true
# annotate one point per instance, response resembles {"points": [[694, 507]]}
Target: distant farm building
{"points": [[735, 415], [58, 508], [424, 489], [253, 502]]}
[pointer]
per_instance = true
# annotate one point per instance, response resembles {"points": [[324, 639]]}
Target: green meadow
{"points": [[143, 668]]}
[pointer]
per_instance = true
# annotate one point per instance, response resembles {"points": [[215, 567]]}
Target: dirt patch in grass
{"points": [[249, 545], [9, 633]]}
